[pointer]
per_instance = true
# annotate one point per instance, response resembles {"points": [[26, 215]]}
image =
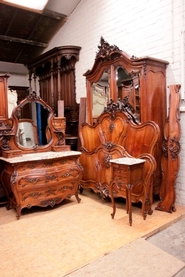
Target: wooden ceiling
{"points": [[25, 34]]}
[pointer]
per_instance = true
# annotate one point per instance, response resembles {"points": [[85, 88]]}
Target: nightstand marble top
{"points": [[127, 161]]}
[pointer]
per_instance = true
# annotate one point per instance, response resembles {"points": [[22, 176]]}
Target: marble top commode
{"points": [[40, 156], [127, 161], [41, 179]]}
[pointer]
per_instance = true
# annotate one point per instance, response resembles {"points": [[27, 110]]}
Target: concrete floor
{"points": [[172, 240]]}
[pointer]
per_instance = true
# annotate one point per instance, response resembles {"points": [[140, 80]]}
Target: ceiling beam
{"points": [[23, 41]]}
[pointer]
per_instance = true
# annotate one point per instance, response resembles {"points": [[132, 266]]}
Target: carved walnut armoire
{"points": [[141, 80]]}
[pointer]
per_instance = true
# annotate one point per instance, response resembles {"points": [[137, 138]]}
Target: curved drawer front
{"points": [[43, 197], [45, 165], [50, 178]]}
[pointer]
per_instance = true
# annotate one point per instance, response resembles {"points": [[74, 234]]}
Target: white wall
{"points": [[18, 73], [18, 80], [138, 27]]}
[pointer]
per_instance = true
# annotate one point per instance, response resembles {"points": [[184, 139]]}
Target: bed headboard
{"points": [[118, 125]]}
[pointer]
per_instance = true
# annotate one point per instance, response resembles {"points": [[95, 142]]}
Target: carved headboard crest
{"points": [[124, 106], [107, 51]]}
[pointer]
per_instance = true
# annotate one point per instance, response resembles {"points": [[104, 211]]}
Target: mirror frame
{"points": [[56, 131], [32, 98]]}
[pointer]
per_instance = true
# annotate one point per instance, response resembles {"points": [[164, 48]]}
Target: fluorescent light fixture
{"points": [[29, 4]]}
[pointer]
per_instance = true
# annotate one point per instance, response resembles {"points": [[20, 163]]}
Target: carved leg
{"points": [[127, 203], [128, 199], [113, 201], [146, 208], [144, 214], [18, 211], [77, 197]]}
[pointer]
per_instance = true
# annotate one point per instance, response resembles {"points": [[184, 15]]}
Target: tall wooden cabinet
{"points": [[4, 100], [4, 126], [53, 75], [142, 81]]}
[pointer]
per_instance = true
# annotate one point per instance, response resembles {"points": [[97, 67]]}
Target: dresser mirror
{"points": [[34, 128], [27, 133]]}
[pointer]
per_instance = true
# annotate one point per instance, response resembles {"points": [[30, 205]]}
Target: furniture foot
{"points": [[80, 188], [77, 198], [114, 209], [18, 212], [150, 212], [130, 218], [113, 202], [144, 215], [113, 215], [173, 208], [9, 206]]}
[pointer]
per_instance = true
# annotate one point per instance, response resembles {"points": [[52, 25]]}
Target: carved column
{"points": [[171, 149], [58, 79], [35, 83], [30, 75], [52, 87]]}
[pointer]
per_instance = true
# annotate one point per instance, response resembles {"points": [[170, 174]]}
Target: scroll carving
{"points": [[124, 106], [109, 145], [171, 149], [61, 138], [107, 159], [105, 50], [174, 148], [111, 127], [5, 140], [51, 202]]}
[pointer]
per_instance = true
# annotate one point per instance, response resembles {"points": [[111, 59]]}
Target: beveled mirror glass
{"points": [[100, 94], [128, 86]]}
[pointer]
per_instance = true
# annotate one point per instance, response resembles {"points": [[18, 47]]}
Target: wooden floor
{"points": [[55, 241]]}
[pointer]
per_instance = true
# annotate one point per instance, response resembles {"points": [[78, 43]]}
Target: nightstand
{"points": [[127, 172]]}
